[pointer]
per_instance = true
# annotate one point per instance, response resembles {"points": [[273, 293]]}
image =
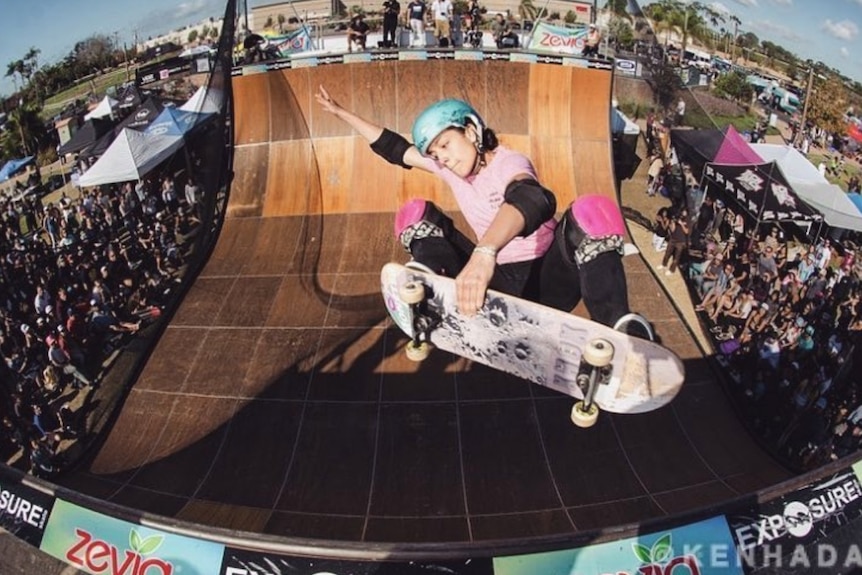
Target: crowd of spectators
{"points": [[785, 315], [78, 278]]}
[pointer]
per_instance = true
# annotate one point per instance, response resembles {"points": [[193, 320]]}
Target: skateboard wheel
{"points": [[583, 417], [417, 351], [412, 292], [599, 352]]}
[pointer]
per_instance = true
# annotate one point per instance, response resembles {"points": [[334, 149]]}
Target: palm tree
{"points": [[31, 62], [715, 18], [281, 20], [15, 67], [736, 22], [26, 130], [527, 10]]}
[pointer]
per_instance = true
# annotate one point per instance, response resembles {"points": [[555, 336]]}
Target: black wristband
{"points": [[391, 147]]}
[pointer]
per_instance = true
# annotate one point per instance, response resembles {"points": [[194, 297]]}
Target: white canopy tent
{"points": [[204, 101], [131, 156], [622, 124], [838, 210], [104, 109]]}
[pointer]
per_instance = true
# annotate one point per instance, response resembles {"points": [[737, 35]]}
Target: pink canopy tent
{"points": [[735, 150]]}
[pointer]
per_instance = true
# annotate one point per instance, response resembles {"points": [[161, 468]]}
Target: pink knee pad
{"points": [[598, 216], [409, 214]]}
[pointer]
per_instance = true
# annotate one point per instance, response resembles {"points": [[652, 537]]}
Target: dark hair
{"points": [[489, 137]]}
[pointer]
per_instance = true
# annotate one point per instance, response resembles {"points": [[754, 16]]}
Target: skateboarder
{"points": [[522, 250]]}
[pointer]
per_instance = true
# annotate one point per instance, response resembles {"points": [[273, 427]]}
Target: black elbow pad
{"points": [[391, 147], [536, 203]]}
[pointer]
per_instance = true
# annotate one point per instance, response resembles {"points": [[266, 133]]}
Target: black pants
{"points": [[554, 279], [390, 23]]}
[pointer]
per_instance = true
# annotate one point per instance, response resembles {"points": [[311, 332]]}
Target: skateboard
{"points": [[600, 367]]}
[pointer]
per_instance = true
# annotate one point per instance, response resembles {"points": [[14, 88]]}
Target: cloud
{"points": [[722, 9], [751, 3], [844, 51], [784, 2], [768, 28], [188, 12], [186, 9], [843, 30]]}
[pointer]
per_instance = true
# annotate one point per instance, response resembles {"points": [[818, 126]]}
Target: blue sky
{"points": [[54, 26], [826, 30]]}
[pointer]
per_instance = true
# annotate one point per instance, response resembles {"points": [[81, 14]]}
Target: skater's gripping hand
{"points": [[472, 282]]}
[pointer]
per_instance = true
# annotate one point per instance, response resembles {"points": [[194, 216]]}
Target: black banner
{"points": [[162, 70], [24, 511], [761, 189], [240, 562], [766, 532]]}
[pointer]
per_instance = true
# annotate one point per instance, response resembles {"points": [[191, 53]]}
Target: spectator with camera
{"points": [[504, 37], [391, 9], [443, 12]]}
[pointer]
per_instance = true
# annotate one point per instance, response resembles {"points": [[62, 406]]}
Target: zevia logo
{"points": [[659, 559], [100, 557]]}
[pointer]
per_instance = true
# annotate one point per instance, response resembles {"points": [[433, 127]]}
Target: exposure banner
{"points": [[24, 511], [558, 39], [100, 545], [702, 548], [775, 529]]}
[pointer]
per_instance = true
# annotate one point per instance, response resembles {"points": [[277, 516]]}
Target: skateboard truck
{"points": [[424, 320], [597, 356]]}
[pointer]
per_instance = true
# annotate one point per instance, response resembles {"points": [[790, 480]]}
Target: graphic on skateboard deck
{"points": [[555, 349]]}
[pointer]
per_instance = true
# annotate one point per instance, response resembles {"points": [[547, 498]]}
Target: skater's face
{"points": [[456, 149]]}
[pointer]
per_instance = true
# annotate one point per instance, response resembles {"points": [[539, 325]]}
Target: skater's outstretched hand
{"points": [[325, 100], [472, 283], [367, 129]]}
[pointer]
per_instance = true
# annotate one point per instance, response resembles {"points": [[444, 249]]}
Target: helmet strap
{"points": [[480, 150]]}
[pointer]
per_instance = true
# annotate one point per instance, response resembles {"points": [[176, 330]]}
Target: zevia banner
{"points": [[240, 562], [297, 41], [102, 545], [703, 548], [558, 39], [24, 511]]}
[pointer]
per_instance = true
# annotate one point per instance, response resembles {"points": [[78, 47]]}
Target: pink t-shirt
{"points": [[479, 197]]}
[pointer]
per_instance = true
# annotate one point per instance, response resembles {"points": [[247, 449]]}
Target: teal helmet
{"points": [[449, 113]]}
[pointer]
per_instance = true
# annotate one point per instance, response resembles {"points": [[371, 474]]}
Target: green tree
{"points": [[193, 35], [281, 20], [827, 103], [621, 34], [733, 86], [618, 8], [570, 17], [268, 23], [665, 84]]}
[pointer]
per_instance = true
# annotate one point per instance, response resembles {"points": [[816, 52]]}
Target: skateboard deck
{"points": [[534, 342]]}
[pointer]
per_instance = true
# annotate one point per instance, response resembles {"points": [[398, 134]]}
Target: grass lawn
{"points": [[850, 169], [96, 85]]}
